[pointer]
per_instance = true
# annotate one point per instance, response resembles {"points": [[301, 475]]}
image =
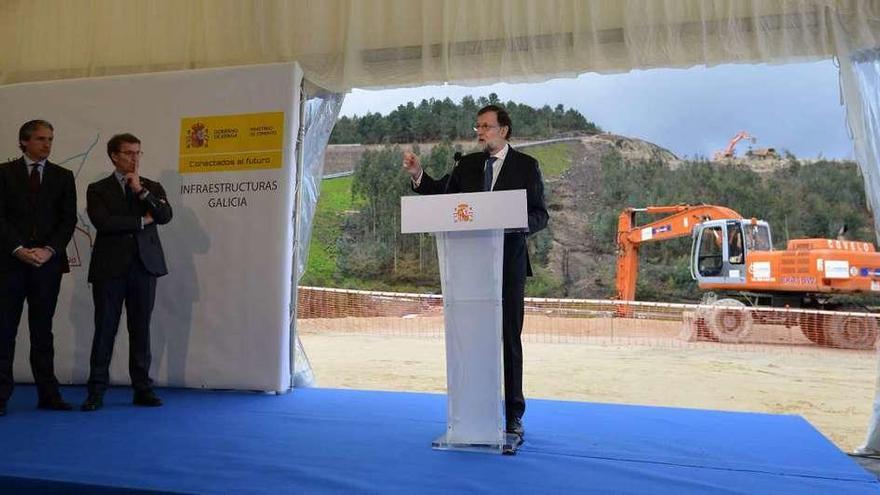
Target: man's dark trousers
{"points": [[39, 286], [138, 290]]}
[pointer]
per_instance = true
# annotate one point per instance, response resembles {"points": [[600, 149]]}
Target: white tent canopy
{"points": [[379, 43]]}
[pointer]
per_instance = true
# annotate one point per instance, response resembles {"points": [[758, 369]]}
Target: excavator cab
{"points": [[719, 249]]}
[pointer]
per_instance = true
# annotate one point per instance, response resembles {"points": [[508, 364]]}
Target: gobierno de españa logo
{"points": [[197, 136], [463, 213]]}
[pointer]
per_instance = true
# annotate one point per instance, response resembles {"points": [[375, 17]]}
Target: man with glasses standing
{"points": [[37, 220], [498, 167], [127, 257]]}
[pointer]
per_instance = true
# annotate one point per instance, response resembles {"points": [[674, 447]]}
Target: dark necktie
{"points": [[129, 196], [34, 180], [487, 173]]}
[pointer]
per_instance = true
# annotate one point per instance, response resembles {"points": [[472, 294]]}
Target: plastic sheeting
{"points": [[860, 85], [319, 116]]}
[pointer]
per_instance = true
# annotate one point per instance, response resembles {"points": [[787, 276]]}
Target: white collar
{"points": [[501, 155], [29, 162]]}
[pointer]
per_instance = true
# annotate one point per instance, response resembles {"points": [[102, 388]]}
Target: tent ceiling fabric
{"points": [[383, 43]]}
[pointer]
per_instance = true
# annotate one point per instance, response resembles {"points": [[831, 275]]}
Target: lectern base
{"points": [[508, 447]]}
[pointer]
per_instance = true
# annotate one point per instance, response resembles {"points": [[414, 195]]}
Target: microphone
{"points": [[456, 157]]}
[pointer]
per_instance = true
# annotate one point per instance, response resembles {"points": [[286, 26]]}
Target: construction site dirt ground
{"points": [[645, 363]]}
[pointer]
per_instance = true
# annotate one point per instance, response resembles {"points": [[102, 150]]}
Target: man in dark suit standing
{"points": [[37, 219], [499, 168], [127, 257]]}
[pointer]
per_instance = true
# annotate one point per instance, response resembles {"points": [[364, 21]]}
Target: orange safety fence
{"points": [[726, 323]]}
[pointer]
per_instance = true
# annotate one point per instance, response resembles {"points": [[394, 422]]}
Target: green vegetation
{"points": [[356, 241], [333, 204], [371, 248], [554, 159], [444, 120]]}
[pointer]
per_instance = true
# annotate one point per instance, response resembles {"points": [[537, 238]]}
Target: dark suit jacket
{"points": [[519, 171], [119, 234], [50, 222]]}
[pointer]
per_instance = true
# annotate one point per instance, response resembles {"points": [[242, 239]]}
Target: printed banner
{"points": [[222, 314], [224, 143]]}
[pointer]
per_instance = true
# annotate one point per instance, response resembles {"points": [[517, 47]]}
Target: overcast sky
{"points": [[695, 111]]}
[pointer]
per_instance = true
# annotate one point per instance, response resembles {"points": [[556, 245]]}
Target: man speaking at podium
{"points": [[498, 168]]}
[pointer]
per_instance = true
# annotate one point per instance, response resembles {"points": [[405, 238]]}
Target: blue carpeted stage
{"points": [[343, 441]]}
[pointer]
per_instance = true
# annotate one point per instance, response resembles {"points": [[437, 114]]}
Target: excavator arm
{"points": [[728, 152], [679, 221]]}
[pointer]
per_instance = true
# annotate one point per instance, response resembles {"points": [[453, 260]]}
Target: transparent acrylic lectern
{"points": [[470, 247]]}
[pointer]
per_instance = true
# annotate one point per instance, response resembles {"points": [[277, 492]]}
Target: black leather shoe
{"points": [[93, 403], [2, 409], [54, 404], [515, 426], [146, 398]]}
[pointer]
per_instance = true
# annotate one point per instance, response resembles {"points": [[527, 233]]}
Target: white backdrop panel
{"points": [[222, 314]]}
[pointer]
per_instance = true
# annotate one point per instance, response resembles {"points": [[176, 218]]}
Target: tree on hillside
{"points": [[443, 120], [372, 246]]}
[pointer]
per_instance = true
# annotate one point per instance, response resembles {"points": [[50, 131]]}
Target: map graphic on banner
{"points": [[224, 143], [82, 235]]}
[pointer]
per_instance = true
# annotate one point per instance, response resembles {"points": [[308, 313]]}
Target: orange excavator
{"points": [[735, 256], [730, 151]]}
